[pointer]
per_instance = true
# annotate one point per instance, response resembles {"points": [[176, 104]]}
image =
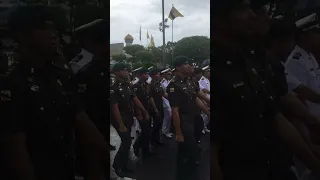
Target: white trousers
{"points": [[166, 125]]}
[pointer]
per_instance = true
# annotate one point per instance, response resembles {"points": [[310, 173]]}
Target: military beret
{"points": [[142, 71], [119, 67], [181, 60]]}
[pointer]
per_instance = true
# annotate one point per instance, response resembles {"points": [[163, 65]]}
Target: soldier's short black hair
{"points": [[28, 18]]}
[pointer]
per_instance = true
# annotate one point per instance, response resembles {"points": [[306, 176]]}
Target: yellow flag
{"points": [[174, 13], [148, 37], [152, 42]]}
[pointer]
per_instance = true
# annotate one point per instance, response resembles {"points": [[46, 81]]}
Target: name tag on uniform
{"points": [[238, 84]]}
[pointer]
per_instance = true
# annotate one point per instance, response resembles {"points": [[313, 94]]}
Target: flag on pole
{"points": [[152, 42], [140, 34], [148, 37], [174, 13]]}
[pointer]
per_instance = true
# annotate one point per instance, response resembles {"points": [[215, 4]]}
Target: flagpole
{"points": [[172, 42], [163, 34]]}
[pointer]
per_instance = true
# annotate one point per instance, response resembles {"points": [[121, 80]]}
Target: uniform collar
{"points": [[302, 51], [87, 56]]}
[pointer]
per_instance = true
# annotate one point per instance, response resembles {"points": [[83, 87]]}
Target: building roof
{"points": [[116, 48], [128, 37]]}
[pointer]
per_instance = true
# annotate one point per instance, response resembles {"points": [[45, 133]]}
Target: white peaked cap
{"points": [[206, 68], [304, 21], [166, 70], [135, 70], [88, 25]]}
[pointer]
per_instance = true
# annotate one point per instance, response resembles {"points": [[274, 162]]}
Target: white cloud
{"points": [[126, 16]]}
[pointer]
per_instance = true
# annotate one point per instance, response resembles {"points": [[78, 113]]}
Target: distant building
{"points": [[116, 49], [128, 39]]}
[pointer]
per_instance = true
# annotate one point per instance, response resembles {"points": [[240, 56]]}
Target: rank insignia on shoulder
{"points": [[171, 89], [296, 55], [5, 95], [82, 88], [34, 88]]}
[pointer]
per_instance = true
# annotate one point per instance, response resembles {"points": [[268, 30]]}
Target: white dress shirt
{"points": [[304, 68]]}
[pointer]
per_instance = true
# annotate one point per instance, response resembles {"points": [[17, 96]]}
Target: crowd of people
{"points": [[150, 100], [265, 80]]}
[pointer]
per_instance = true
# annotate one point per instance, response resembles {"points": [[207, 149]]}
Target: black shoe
{"points": [[123, 173], [112, 148]]}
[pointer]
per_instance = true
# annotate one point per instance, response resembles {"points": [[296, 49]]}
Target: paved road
{"points": [[162, 165]]}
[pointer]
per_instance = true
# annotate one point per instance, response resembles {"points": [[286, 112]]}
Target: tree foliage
{"points": [[133, 49], [195, 47], [119, 57]]}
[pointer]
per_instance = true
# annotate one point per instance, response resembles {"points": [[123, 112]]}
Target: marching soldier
{"points": [[158, 94], [42, 110], [142, 90], [166, 125], [122, 97], [182, 95]]}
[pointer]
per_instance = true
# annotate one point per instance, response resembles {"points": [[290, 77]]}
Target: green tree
{"points": [[143, 57], [133, 49], [195, 47], [119, 57]]}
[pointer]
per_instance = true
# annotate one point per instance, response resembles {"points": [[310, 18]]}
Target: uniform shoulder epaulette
{"points": [[296, 55], [77, 58]]}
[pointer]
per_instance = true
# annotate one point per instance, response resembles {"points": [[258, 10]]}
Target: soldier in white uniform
{"points": [[166, 126], [85, 35], [301, 64], [204, 84], [303, 71]]}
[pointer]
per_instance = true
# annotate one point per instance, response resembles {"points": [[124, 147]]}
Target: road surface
{"points": [[162, 165]]}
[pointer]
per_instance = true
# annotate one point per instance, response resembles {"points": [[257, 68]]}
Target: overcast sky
{"points": [[126, 16]]}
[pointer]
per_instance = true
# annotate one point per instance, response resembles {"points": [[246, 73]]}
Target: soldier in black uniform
{"points": [[185, 105], [122, 97], [42, 113], [157, 92], [142, 90], [93, 80], [246, 115]]}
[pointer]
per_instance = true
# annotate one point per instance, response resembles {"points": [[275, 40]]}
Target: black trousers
{"points": [[187, 150], [198, 126], [122, 157], [144, 140], [157, 126]]}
